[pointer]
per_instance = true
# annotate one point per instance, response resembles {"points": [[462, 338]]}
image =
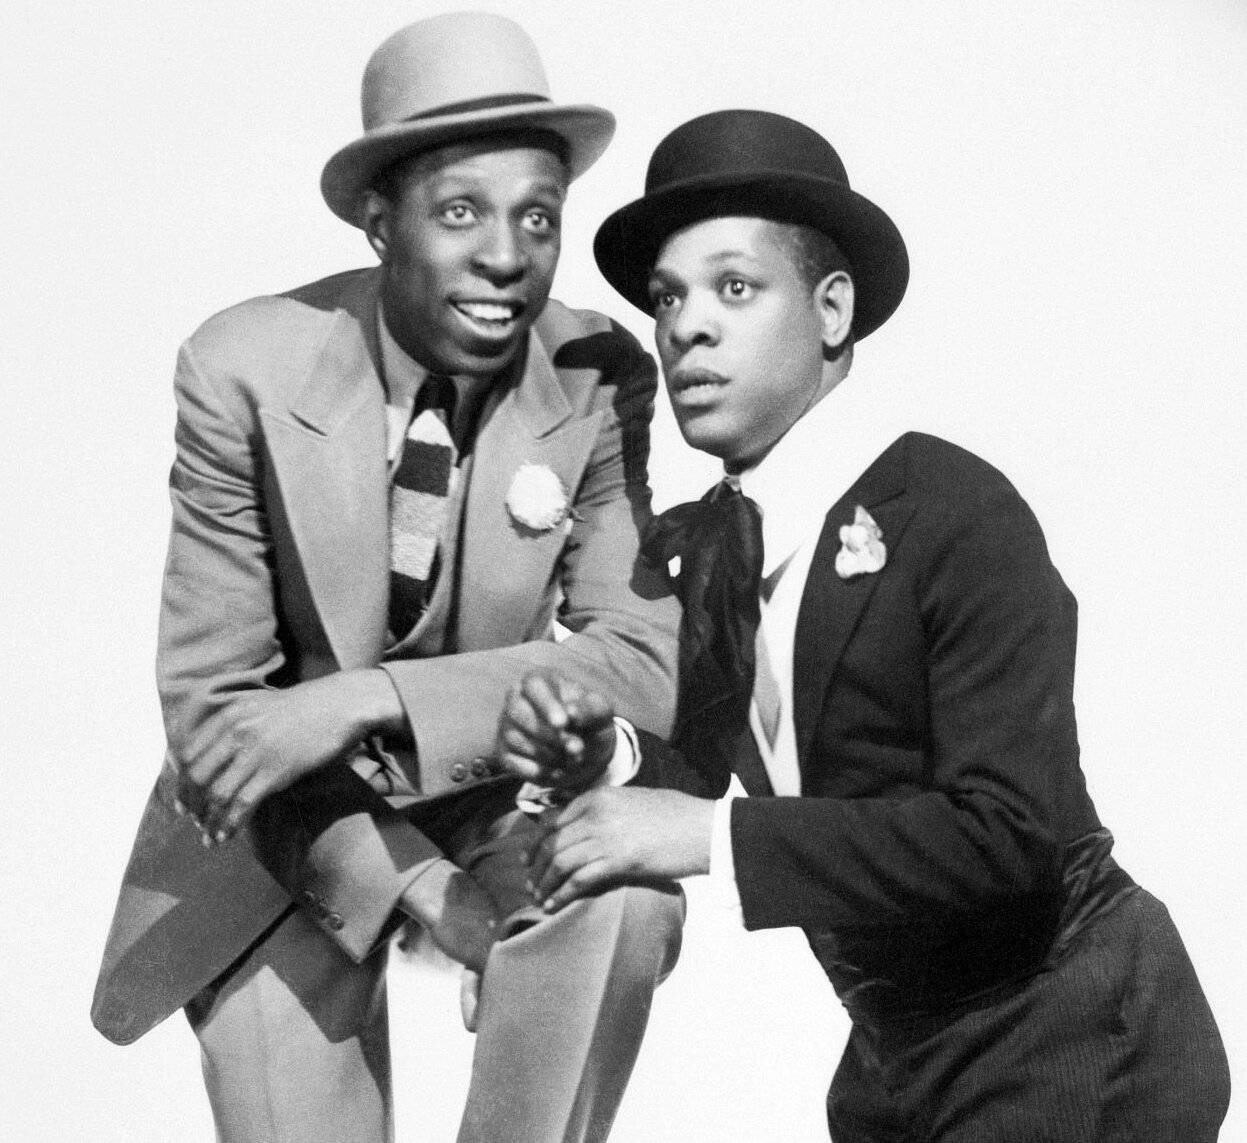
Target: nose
{"points": [[502, 255], [690, 323]]}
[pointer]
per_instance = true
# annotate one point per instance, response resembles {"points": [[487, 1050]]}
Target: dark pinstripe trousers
{"points": [[1114, 1043]]}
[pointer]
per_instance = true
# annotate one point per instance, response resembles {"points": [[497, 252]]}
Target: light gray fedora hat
{"points": [[448, 78]]}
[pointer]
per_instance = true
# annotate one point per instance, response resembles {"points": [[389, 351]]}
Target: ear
{"points": [[834, 299], [375, 217]]}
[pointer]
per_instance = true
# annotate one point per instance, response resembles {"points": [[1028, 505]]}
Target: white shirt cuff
{"points": [[626, 760], [722, 864]]}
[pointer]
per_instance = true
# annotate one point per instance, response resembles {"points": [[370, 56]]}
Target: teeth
{"points": [[487, 311]]}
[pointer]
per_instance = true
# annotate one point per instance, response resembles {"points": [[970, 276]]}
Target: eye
{"points": [[541, 221], [458, 213], [661, 297], [737, 289]]}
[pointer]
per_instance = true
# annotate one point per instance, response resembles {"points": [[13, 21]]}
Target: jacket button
{"points": [[335, 922], [480, 767], [458, 772], [309, 898]]}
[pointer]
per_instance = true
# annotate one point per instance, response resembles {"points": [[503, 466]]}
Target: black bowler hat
{"points": [[758, 164]]}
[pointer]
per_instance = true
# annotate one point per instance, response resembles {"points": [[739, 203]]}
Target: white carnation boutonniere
{"points": [[862, 550], [538, 499]]}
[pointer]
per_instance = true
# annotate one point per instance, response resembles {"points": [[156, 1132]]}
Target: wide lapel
{"points": [[505, 567], [831, 607], [329, 454]]}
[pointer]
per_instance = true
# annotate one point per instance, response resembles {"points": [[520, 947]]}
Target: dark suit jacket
{"points": [[278, 572], [937, 744]]}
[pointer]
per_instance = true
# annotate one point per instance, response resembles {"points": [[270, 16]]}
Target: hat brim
{"points": [[628, 243], [587, 130]]}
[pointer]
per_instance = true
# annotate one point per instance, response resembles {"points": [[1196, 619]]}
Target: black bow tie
{"points": [[718, 540]]}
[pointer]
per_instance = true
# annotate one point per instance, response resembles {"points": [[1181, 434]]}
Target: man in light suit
{"points": [[876, 642], [357, 573]]}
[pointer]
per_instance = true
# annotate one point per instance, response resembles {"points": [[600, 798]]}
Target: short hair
{"points": [[388, 182], [814, 253]]}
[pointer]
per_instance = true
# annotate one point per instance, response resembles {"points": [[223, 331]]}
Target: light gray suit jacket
{"points": [[278, 572]]}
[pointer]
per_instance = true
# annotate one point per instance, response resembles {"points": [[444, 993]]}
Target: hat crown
{"points": [[456, 61], [742, 144]]}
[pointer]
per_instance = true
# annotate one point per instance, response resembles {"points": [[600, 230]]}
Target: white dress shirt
{"points": [[794, 486]]}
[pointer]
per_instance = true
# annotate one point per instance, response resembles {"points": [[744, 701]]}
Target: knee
{"points": [[653, 918]]}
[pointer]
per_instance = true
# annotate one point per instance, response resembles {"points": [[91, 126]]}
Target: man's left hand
{"points": [[615, 835], [554, 732]]}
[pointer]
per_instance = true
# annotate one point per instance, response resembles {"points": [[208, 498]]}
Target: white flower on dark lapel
{"points": [[537, 498], [861, 546]]}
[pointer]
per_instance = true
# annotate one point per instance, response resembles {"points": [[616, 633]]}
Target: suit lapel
{"points": [[831, 607], [528, 421], [329, 454]]}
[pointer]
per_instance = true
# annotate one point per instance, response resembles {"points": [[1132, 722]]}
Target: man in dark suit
{"points": [[388, 485], [876, 642]]}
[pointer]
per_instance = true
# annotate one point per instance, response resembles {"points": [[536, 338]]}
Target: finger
{"points": [[541, 745], [522, 767], [202, 769], [544, 696], [522, 720], [239, 808], [210, 740], [221, 795], [190, 797], [587, 710], [562, 817], [571, 855], [543, 850], [537, 859], [586, 879]]}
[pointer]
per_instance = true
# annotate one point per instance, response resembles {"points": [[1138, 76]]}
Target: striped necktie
{"points": [[418, 498]]}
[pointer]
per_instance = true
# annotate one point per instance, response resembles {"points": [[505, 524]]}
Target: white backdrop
{"points": [[1070, 180]]}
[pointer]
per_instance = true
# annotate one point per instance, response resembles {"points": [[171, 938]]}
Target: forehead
{"points": [[720, 240], [496, 161]]}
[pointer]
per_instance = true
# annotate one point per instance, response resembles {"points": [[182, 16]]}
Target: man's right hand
{"points": [[554, 732]]}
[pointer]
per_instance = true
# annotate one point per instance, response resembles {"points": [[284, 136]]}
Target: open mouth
{"points": [[491, 316]]}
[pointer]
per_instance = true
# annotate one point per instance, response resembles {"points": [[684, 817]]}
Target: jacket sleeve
{"points": [[662, 766], [979, 825], [219, 623]]}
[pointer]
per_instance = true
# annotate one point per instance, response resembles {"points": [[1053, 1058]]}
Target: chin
{"points": [[477, 363], [705, 442]]}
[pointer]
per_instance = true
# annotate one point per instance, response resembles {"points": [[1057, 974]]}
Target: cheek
{"points": [[667, 357], [544, 262]]}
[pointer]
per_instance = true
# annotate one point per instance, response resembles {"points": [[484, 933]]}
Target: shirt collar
{"points": [[813, 465], [402, 375]]}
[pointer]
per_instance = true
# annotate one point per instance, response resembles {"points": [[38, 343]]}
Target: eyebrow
{"points": [[459, 183], [717, 258], [728, 255]]}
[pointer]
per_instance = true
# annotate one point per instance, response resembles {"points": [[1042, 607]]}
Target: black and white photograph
{"points": [[628, 572]]}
